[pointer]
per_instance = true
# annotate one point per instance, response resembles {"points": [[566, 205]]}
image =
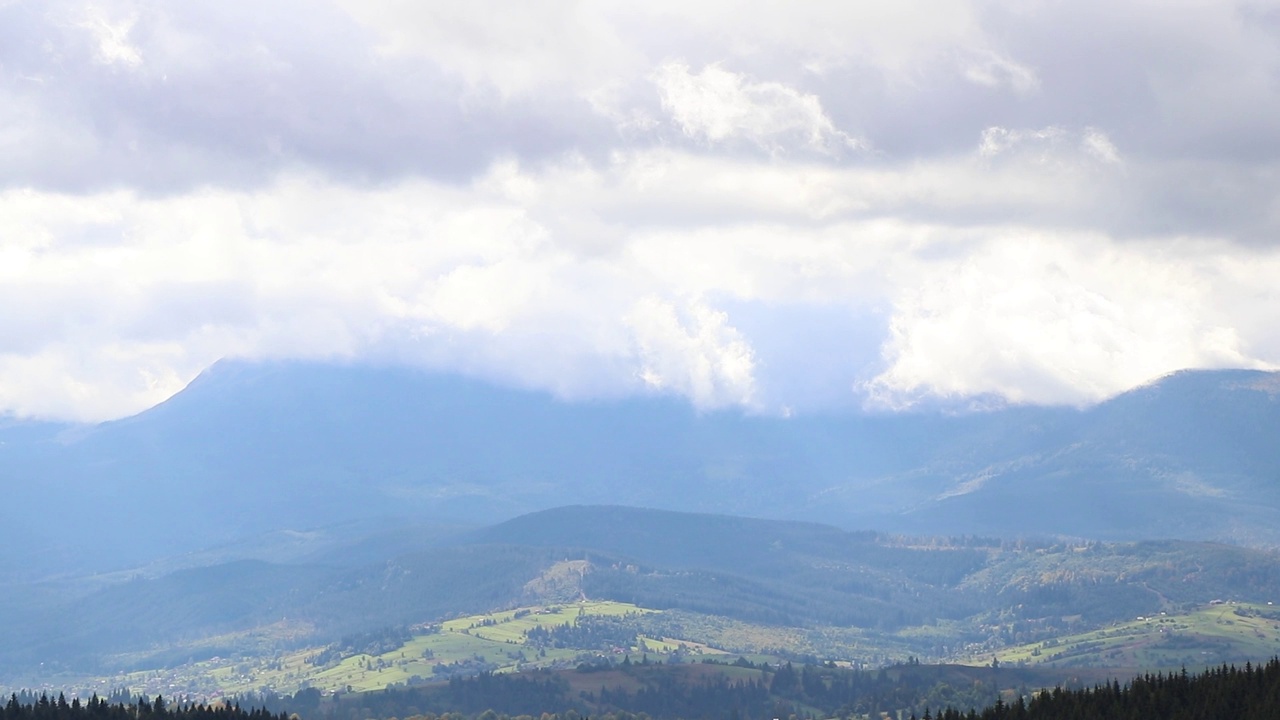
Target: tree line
{"points": [[665, 692], [1251, 693], [96, 708]]}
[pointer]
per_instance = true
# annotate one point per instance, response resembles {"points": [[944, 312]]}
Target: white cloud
{"points": [[1060, 319], [991, 69], [1063, 199], [123, 297], [693, 350], [62, 381], [998, 141], [1096, 143], [1078, 161], [716, 105], [111, 38]]}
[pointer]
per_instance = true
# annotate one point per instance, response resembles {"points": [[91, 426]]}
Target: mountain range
{"points": [[250, 448]]}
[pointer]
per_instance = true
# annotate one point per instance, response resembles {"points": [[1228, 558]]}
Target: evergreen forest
{"points": [[43, 707], [747, 692]]}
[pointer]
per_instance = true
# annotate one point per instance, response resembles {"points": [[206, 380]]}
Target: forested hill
{"points": [[255, 447], [745, 691], [847, 595], [1252, 693]]}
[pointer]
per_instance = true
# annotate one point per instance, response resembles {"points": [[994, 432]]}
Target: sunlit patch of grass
{"points": [[1227, 632]]}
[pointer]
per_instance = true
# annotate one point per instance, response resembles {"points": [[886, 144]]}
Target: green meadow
{"points": [[499, 642], [1209, 635], [493, 641]]}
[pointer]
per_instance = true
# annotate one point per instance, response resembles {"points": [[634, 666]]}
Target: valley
{"points": [[563, 360], [558, 589], [294, 530]]}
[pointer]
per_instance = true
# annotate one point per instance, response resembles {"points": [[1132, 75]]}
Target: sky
{"points": [[780, 207]]}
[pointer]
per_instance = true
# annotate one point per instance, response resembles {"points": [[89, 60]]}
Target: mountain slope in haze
{"points": [[1193, 455], [248, 448]]}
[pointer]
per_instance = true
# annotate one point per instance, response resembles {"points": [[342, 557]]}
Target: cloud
{"points": [[540, 46], [695, 352], [1096, 143], [990, 69], [1046, 203], [138, 294], [517, 50], [169, 97], [1060, 320], [1050, 145], [124, 297], [718, 106], [112, 38]]}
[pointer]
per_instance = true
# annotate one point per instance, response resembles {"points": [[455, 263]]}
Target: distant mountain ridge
{"points": [[248, 448]]}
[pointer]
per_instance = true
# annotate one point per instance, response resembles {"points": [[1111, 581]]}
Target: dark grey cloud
{"points": [[233, 93]]}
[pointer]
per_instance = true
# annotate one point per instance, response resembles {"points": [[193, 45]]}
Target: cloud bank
{"points": [[776, 208]]}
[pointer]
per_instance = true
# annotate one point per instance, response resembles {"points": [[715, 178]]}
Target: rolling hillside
{"points": [[743, 585]]}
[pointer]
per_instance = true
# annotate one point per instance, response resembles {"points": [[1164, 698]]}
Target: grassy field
{"points": [[494, 641], [759, 642], [498, 642], [510, 627], [1211, 635]]}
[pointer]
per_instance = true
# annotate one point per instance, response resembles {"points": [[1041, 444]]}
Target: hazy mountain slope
{"points": [[668, 538], [250, 448], [319, 602], [1194, 455]]}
